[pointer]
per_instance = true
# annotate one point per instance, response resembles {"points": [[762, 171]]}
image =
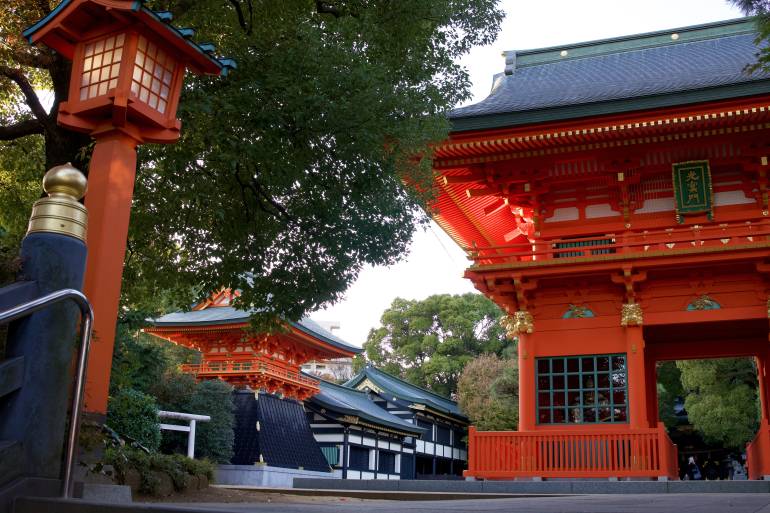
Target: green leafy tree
{"points": [[289, 175], [488, 392], [429, 342], [760, 9], [669, 389], [721, 399], [135, 415], [141, 361], [214, 439]]}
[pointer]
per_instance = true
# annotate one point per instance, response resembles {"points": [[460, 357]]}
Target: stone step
{"points": [[11, 375], [11, 458]]}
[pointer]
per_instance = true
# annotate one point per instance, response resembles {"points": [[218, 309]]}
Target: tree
{"points": [[760, 9], [215, 438], [670, 388], [488, 393], [721, 399], [429, 342], [289, 175], [134, 415]]}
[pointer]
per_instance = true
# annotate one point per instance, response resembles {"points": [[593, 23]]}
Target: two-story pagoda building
{"points": [[613, 198], [230, 351]]}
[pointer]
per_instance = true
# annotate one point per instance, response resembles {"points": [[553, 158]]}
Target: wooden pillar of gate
{"points": [[527, 392], [638, 417]]}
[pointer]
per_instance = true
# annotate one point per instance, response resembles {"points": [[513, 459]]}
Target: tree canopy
{"points": [[721, 399], [488, 392], [290, 173], [429, 342]]}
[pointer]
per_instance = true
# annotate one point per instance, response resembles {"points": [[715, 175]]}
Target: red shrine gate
{"points": [[613, 199]]}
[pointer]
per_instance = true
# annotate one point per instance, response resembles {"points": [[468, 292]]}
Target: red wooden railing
{"points": [[564, 453], [669, 240], [758, 452], [254, 366]]}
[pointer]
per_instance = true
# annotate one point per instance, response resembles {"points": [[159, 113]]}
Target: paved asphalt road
{"points": [[677, 503]]}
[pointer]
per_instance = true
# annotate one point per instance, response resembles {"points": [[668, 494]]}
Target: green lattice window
{"points": [[584, 244], [582, 389]]}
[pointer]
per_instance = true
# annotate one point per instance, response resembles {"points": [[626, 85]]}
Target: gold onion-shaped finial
{"points": [[61, 212]]}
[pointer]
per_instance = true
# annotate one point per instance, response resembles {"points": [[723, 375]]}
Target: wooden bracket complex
{"points": [[628, 278]]}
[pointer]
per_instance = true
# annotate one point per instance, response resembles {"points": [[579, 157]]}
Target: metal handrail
{"points": [[86, 323]]}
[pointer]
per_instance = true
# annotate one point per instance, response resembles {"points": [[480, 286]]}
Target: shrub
{"points": [[178, 468], [488, 392], [214, 439], [134, 415]]}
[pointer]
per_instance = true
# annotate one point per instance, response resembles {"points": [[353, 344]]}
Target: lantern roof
{"points": [[61, 28], [653, 70]]}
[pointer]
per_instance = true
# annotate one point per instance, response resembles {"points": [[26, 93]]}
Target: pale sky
{"points": [[435, 264]]}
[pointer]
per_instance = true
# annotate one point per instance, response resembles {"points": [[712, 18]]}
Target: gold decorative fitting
{"points": [[768, 308], [518, 323], [349, 419], [704, 302], [631, 315], [61, 212]]}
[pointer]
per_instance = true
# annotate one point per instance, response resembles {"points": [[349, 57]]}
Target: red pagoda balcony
{"points": [[720, 238], [564, 454], [256, 373]]}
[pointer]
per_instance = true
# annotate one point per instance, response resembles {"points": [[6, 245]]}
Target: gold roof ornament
{"points": [[61, 212]]}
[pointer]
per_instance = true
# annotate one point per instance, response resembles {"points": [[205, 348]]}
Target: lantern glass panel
{"points": [[153, 70], [101, 66]]}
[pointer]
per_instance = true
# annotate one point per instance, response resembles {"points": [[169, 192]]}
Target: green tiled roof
{"points": [[406, 391], [348, 401], [653, 70]]}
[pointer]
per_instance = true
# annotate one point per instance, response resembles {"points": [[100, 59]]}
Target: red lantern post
{"points": [[128, 67]]}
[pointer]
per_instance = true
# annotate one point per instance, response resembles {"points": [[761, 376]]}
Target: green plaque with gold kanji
{"points": [[692, 188]]}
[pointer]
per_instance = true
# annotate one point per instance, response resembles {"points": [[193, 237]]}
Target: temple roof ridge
{"points": [[657, 38], [354, 402], [407, 391], [220, 315], [669, 68]]}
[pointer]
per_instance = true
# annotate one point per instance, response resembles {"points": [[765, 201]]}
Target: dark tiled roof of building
{"points": [[658, 69], [229, 315], [401, 389], [348, 401], [284, 438]]}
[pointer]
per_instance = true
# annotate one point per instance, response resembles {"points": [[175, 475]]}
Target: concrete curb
{"points": [[389, 495], [565, 487]]}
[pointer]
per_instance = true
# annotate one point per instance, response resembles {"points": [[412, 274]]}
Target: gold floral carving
{"points": [[578, 312], [518, 323], [631, 315], [704, 302]]}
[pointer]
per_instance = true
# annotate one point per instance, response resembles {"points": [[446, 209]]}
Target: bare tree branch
{"points": [[20, 129], [241, 18], [34, 59], [29, 94]]}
